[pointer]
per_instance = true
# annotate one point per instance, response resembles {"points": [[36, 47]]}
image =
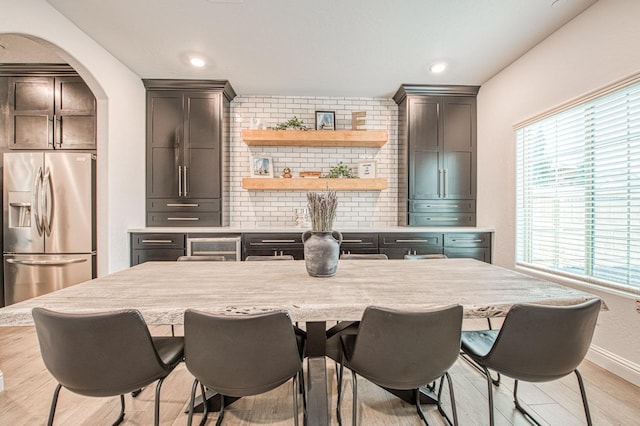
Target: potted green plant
{"points": [[322, 242], [340, 170], [292, 124]]}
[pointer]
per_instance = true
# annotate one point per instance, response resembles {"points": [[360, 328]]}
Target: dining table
{"points": [[162, 291]]}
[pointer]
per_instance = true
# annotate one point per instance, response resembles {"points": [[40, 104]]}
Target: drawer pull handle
{"points": [[351, 241], [465, 241], [157, 241], [183, 218], [412, 241], [277, 241], [182, 205], [208, 253], [455, 219]]}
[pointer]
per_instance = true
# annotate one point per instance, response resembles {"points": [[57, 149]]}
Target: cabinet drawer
{"points": [[442, 206], [442, 219], [277, 241], [147, 241], [148, 255], [183, 219], [297, 253], [482, 254], [412, 240], [479, 239], [183, 205], [354, 240], [399, 253]]}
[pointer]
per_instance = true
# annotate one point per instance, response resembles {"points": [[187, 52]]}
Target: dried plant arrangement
{"points": [[322, 210]]}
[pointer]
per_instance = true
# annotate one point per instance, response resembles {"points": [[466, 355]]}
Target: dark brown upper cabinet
{"points": [[187, 136], [51, 113]]}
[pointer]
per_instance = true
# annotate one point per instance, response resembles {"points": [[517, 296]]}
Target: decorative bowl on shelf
{"points": [[310, 174]]}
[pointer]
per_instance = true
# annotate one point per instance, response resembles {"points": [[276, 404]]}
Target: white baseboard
{"points": [[617, 365]]}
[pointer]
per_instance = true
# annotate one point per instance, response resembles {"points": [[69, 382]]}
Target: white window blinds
{"points": [[578, 191]]}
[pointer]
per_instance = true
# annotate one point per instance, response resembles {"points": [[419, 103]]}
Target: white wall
{"points": [[597, 48], [121, 117]]}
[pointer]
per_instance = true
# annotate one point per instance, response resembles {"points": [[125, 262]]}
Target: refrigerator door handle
{"points": [[185, 181], [46, 262], [47, 198], [37, 189]]}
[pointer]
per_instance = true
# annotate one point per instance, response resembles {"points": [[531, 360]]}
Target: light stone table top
{"points": [[163, 290]]}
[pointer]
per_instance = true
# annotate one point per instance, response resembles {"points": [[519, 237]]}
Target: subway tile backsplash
{"points": [[275, 209]]}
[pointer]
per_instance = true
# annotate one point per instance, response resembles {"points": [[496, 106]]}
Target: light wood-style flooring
{"points": [[29, 387]]}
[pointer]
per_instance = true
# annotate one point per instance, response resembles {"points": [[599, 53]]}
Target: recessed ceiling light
{"points": [[197, 62], [438, 67]]}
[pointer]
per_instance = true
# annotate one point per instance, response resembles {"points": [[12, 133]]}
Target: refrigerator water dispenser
{"points": [[20, 209]]}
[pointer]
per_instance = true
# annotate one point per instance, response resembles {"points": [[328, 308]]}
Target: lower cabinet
{"points": [[169, 246], [359, 243], [397, 245], [475, 245], [146, 247], [272, 244]]}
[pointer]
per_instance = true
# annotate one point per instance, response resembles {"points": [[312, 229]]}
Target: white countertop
{"points": [[232, 230]]}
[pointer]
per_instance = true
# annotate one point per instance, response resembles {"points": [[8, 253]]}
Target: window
{"points": [[578, 191]]}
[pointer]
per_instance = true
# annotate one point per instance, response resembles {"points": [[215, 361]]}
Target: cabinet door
{"points": [[152, 255], [75, 114], [31, 112], [424, 148], [202, 136], [458, 133], [359, 243], [164, 143]]}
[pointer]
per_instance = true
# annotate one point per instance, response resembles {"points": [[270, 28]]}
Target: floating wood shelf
{"points": [[305, 184], [343, 138]]}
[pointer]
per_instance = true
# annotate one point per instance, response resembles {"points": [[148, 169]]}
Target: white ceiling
{"points": [[320, 48]]}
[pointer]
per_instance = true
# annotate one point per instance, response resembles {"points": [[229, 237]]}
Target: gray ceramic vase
{"points": [[321, 252]]}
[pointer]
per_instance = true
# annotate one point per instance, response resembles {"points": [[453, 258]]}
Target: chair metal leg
{"points": [[354, 414], [121, 416], [156, 420], [489, 395], [454, 410], [295, 399], [221, 415], [191, 402], [519, 407], [205, 409], [340, 373], [584, 397], [54, 402], [419, 407], [477, 366]]}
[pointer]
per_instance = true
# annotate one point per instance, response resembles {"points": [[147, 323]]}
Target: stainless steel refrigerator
{"points": [[49, 222]]}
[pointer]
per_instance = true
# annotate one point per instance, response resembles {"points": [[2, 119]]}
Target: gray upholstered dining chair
{"points": [[535, 344], [242, 355], [277, 257], [425, 256], [364, 256], [104, 354], [403, 350], [211, 258]]}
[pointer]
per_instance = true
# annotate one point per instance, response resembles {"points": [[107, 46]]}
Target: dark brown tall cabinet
{"points": [[187, 140], [48, 107], [437, 155]]}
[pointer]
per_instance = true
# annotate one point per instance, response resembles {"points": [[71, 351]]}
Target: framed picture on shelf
{"points": [[261, 166], [325, 120], [367, 169]]}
